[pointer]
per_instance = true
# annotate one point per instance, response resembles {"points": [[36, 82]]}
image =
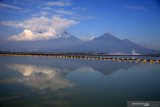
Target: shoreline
{"points": [[88, 56]]}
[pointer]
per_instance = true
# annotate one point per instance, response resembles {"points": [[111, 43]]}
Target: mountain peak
{"points": [[67, 36], [64, 34], [107, 36]]}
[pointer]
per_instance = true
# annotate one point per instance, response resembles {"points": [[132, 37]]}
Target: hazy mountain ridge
{"points": [[107, 43]]}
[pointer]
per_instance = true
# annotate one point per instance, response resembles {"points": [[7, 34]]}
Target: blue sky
{"points": [[137, 20]]}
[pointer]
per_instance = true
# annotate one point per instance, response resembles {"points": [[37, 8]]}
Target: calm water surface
{"points": [[53, 82]]}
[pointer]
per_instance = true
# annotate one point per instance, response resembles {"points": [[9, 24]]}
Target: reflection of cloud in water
{"points": [[41, 77], [85, 69]]}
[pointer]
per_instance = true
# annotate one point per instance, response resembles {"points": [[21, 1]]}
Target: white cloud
{"points": [[19, 9], [63, 12], [44, 13], [25, 35], [55, 12], [135, 7], [59, 3], [2, 5], [39, 28], [8, 23]]}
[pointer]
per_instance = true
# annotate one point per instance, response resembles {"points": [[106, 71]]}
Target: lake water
{"points": [[57, 82]]}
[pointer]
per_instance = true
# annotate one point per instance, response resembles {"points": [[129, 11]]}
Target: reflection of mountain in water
{"points": [[68, 65], [104, 67], [43, 77], [44, 73], [109, 68]]}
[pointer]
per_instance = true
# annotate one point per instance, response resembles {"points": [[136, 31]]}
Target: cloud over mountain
{"points": [[40, 28]]}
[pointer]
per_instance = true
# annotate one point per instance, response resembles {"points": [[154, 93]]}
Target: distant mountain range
{"points": [[107, 43]]}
